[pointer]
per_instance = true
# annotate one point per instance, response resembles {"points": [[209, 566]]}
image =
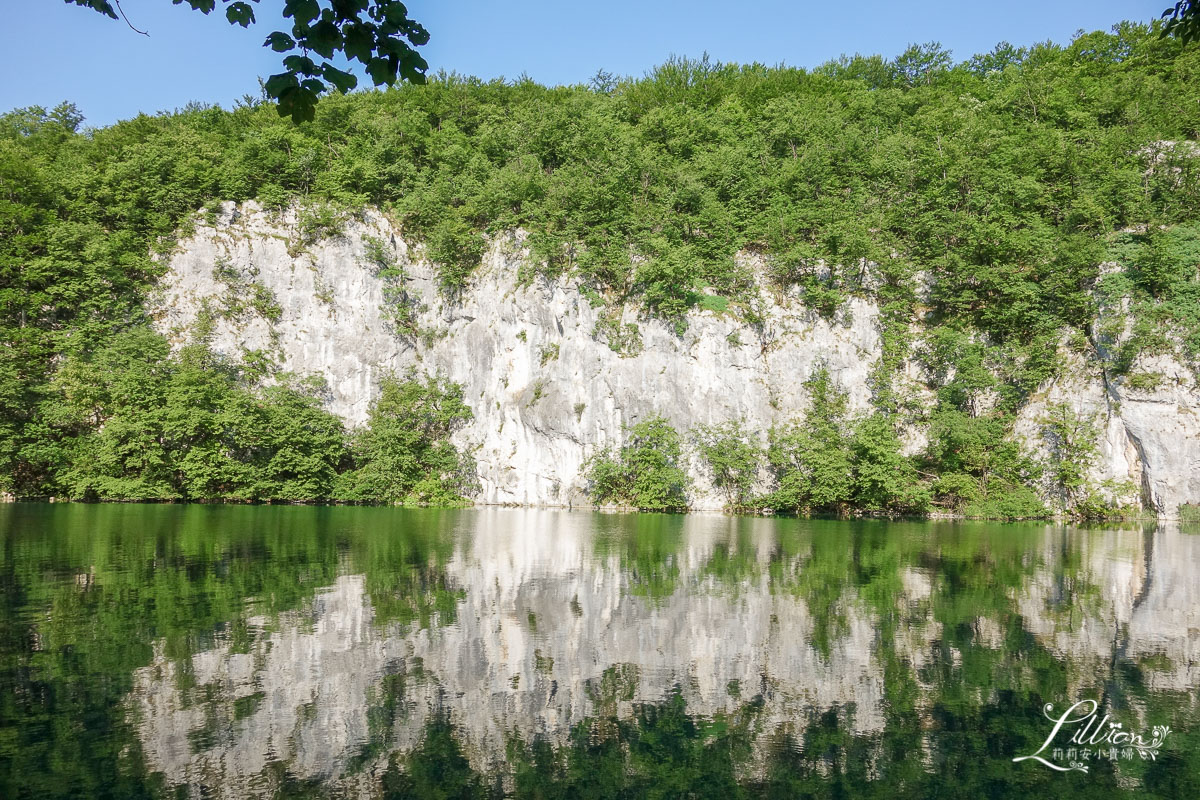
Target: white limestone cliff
{"points": [[545, 386]]}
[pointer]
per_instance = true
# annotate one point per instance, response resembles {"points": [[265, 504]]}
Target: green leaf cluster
{"points": [[1159, 279], [132, 422], [405, 454], [733, 457], [378, 34], [830, 463], [647, 472], [980, 471]]}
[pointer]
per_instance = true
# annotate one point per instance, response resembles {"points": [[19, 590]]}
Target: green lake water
{"points": [[230, 652]]}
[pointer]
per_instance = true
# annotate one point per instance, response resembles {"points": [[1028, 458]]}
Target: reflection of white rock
{"points": [[548, 610], [1166, 619], [1143, 600], [1112, 564], [310, 679]]}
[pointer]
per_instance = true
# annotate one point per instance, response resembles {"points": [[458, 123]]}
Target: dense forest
{"points": [[980, 198]]}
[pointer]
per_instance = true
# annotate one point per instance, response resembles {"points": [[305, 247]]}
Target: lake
{"points": [[299, 652]]}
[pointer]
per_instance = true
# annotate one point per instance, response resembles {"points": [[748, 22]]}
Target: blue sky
{"points": [[50, 52]]}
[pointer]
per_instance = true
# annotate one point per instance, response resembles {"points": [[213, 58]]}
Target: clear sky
{"points": [[50, 51]]}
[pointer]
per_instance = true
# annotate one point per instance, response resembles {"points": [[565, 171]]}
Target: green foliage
{"points": [[624, 339], [646, 473], [398, 306], [885, 481], [921, 64], [1003, 180], [455, 248], [131, 423], [404, 455], [265, 304], [1160, 277], [1073, 449], [713, 302], [378, 34], [812, 460], [538, 391], [1074, 444], [1182, 20], [242, 295], [973, 375], [666, 282], [831, 463], [980, 471], [1145, 381], [316, 222], [732, 457]]}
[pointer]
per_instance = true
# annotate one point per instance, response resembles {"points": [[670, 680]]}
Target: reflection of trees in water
{"points": [[88, 593], [950, 722], [966, 645], [663, 750], [649, 548]]}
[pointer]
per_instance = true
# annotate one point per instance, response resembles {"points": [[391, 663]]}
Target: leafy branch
{"points": [[1183, 21], [379, 34]]}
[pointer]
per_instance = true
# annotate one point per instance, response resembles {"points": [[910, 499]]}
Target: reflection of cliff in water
{"points": [[559, 623]]}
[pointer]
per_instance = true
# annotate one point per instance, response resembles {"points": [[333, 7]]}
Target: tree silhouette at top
{"points": [[377, 33], [1182, 20]]}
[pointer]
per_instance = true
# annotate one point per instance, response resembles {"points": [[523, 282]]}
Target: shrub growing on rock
{"points": [[733, 458], [645, 473], [405, 455]]}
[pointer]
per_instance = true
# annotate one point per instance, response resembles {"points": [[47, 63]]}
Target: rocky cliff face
{"points": [[550, 378], [1148, 439]]}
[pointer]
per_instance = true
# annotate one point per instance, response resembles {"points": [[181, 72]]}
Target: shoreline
{"points": [[608, 509]]}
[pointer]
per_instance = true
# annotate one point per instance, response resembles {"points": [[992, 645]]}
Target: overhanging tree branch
{"points": [[378, 34]]}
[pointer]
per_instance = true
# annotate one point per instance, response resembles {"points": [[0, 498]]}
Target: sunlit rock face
{"points": [[1147, 439], [544, 382], [554, 626], [550, 381]]}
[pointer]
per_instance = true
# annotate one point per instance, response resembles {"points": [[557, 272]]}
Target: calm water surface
{"points": [[236, 652]]}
